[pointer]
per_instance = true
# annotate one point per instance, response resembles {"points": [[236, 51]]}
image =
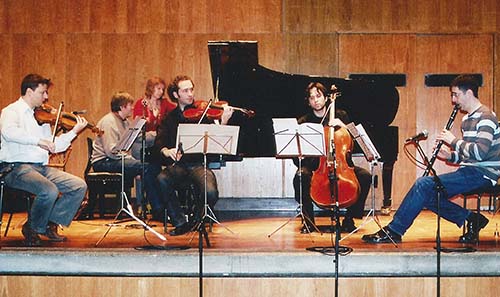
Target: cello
{"points": [[334, 180]]}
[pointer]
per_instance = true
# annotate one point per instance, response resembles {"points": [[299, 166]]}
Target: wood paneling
{"points": [[449, 54], [92, 48], [40, 286], [118, 16], [423, 16], [376, 53], [6, 79]]}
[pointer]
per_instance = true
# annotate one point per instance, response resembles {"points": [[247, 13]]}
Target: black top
{"points": [[166, 137]]}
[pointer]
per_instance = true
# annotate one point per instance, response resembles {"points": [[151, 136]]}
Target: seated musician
{"points": [[25, 149], [478, 153], [315, 97], [179, 168], [106, 157], [153, 106]]}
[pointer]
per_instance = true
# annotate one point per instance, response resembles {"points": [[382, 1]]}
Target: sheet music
{"points": [[359, 134], [128, 137], [311, 138], [208, 138]]}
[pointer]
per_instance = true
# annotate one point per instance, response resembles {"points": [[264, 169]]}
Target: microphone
{"points": [[420, 136], [77, 112]]}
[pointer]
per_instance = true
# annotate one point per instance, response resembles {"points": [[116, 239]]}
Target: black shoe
{"points": [[384, 235], [181, 229], [31, 238], [347, 225], [158, 215], [52, 235], [475, 222]]}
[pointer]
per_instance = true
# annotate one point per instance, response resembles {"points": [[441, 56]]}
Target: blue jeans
{"points": [[423, 195], [46, 183], [133, 168]]}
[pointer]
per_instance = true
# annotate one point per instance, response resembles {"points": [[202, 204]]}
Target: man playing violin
{"points": [[25, 150], [315, 98], [477, 153], [180, 168]]}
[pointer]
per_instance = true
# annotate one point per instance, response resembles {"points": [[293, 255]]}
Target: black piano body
{"points": [[239, 79]]}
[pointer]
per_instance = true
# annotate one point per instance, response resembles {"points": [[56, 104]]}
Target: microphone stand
{"points": [[144, 203], [335, 215], [440, 190]]}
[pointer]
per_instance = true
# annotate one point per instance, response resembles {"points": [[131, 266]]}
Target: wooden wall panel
{"points": [[312, 54], [7, 85], [427, 16], [43, 286], [496, 74], [449, 54], [375, 53], [82, 90]]}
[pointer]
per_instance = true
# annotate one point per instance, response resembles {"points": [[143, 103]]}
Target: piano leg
{"points": [[387, 170]]}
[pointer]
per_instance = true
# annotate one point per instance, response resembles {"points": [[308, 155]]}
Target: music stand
{"points": [[124, 145], [372, 156], [294, 140], [207, 139]]}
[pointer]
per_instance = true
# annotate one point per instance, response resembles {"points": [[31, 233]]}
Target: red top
{"points": [[152, 123]]}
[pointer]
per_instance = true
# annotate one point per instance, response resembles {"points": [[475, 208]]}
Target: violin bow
{"points": [[59, 111]]}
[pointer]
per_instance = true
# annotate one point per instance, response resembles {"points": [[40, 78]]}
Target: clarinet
{"points": [[440, 143]]}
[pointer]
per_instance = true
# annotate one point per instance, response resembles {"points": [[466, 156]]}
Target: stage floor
{"points": [[244, 248]]}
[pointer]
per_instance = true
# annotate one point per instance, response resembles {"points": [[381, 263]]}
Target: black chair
{"points": [[493, 192], [101, 183], [14, 205]]}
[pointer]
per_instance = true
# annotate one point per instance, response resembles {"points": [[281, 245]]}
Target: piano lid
{"points": [[272, 94]]}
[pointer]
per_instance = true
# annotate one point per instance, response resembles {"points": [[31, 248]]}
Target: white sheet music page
{"points": [[292, 139]]}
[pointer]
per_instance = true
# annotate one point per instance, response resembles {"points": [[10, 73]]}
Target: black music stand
{"points": [[299, 141], [124, 145], [207, 139], [371, 155]]}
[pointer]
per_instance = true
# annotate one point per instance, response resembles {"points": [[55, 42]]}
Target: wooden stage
{"points": [[249, 254]]}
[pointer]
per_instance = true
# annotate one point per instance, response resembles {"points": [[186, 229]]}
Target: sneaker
{"points": [[31, 238]]}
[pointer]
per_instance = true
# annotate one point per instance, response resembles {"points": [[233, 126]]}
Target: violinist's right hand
{"points": [[47, 145], [172, 153]]}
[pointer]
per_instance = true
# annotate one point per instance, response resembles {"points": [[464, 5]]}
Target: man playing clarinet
{"points": [[477, 153]]}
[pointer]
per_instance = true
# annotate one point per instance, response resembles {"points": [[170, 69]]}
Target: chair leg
{"points": [[8, 224]]}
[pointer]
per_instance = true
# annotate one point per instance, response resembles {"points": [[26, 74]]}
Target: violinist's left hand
{"points": [[226, 115], [446, 136], [81, 123]]}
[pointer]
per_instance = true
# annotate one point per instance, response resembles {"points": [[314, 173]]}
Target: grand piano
{"points": [[239, 79]]}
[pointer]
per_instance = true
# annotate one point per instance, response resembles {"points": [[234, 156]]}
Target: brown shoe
{"points": [[31, 238], [51, 233]]}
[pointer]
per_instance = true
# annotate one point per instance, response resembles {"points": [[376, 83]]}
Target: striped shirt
{"points": [[480, 146]]}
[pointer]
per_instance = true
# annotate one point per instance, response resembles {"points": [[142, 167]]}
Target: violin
{"points": [[214, 112], [46, 114], [337, 163]]}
